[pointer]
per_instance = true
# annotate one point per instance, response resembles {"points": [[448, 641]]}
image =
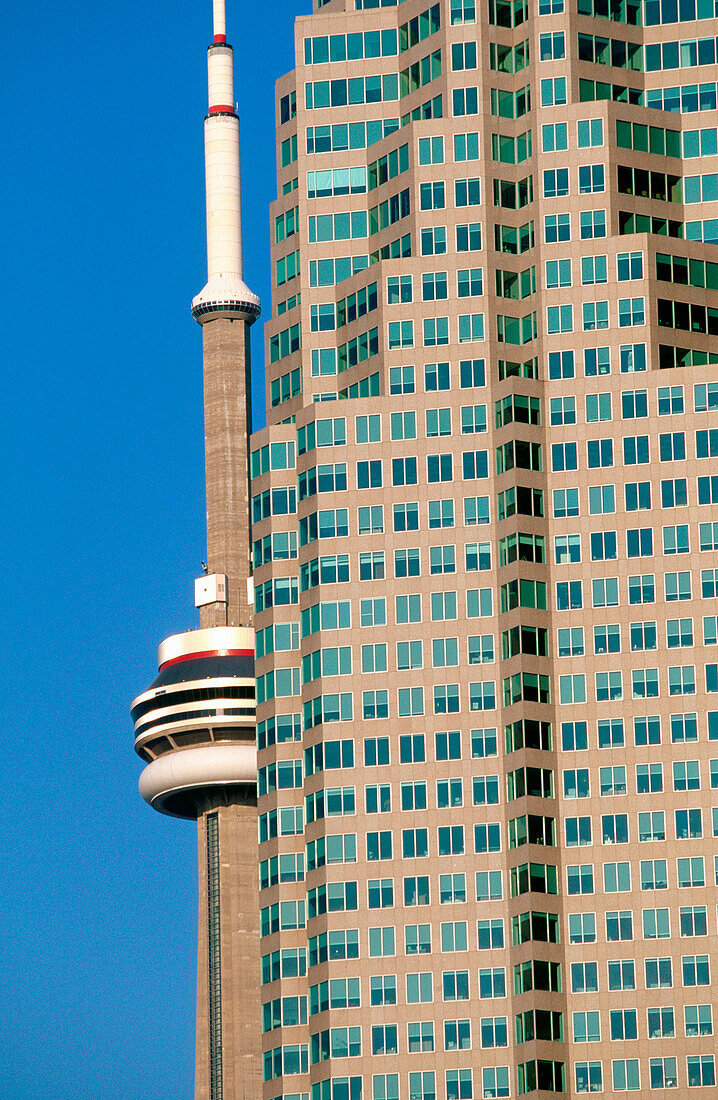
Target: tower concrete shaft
{"points": [[195, 726], [227, 423], [228, 1061], [229, 1035]]}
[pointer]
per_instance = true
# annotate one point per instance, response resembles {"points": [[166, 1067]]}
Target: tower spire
{"points": [[220, 21], [225, 294]]}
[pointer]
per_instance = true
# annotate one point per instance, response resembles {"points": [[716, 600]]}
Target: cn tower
{"points": [[195, 726]]}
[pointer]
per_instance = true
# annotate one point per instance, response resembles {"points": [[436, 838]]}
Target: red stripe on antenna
{"points": [[220, 39]]}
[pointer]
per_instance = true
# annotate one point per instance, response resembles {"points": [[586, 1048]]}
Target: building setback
{"points": [[485, 551]]}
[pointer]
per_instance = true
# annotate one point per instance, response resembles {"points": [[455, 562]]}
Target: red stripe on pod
{"points": [[208, 653]]}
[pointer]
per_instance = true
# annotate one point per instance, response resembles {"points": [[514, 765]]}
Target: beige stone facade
{"points": [[485, 540]]}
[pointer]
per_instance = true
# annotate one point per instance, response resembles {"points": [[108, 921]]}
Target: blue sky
{"points": [[102, 249]]}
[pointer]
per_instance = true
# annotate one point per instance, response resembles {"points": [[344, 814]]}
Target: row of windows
{"points": [[334, 523], [342, 136], [590, 91], [540, 926], [450, 840], [589, 135], [664, 142], [435, 286], [662, 1073], [524, 781], [483, 742], [341, 848], [684, 54], [444, 651], [479, 602], [595, 315], [635, 449], [639, 543], [493, 1031], [667, 11], [469, 238], [350, 47], [596, 362], [616, 52], [561, 364], [434, 239], [455, 985], [598, 407], [494, 1081], [646, 731], [444, 606], [594, 269], [601, 499], [334, 569], [337, 661], [618, 11], [329, 272], [643, 138], [591, 179], [644, 684], [574, 735], [677, 586], [410, 701], [649, 777], [638, 496], [615, 829], [576, 782], [342, 92], [684, 99], [706, 230], [670, 401], [436, 330]]}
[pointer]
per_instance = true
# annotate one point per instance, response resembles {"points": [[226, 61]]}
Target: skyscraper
{"points": [[485, 535], [195, 726], [485, 786]]}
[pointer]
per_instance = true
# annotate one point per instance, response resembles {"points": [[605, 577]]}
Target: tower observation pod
{"points": [[195, 726]]}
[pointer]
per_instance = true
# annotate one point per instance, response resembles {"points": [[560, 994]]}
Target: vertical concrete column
{"points": [[227, 419], [229, 985]]}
